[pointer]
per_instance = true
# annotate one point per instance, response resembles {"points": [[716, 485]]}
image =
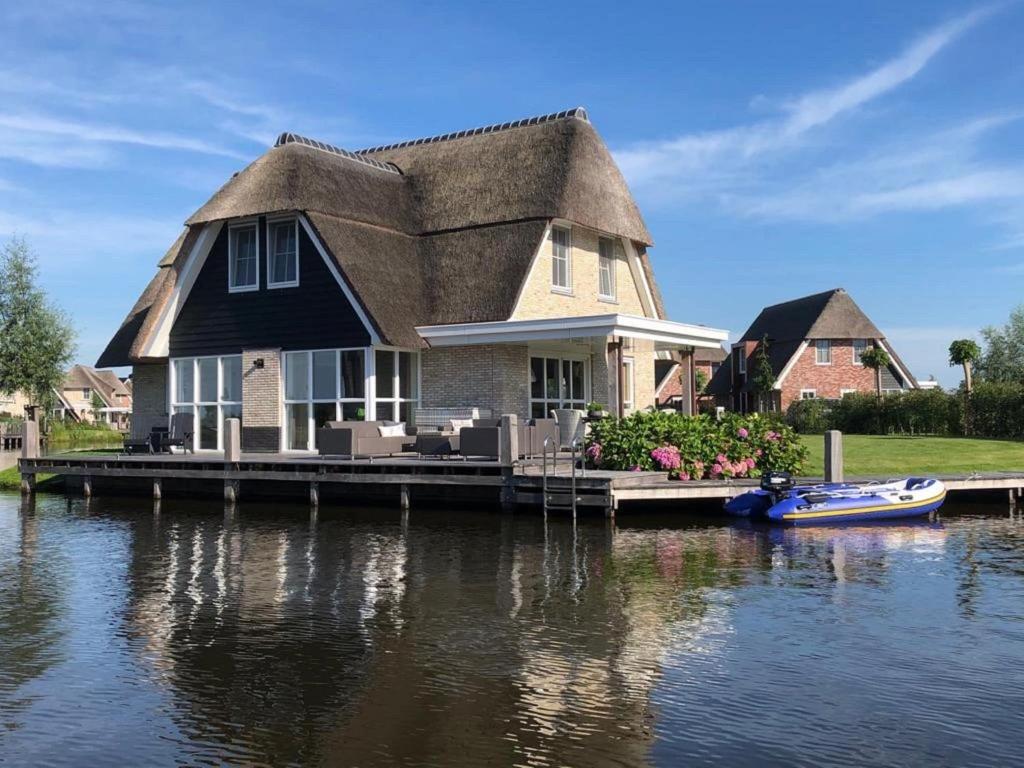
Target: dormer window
{"points": [[283, 254], [243, 259]]}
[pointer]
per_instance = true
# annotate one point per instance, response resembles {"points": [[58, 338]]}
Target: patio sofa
{"points": [[484, 437], [361, 439]]}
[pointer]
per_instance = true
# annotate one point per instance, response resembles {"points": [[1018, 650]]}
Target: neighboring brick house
{"points": [[89, 395], [13, 405], [677, 377], [814, 348], [503, 267]]}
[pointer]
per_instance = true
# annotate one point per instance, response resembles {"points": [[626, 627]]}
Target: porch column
{"points": [[261, 400]]}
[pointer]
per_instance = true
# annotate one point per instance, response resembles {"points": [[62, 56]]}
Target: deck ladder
{"points": [[559, 497]]}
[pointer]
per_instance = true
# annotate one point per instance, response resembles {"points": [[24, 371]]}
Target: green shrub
{"points": [[695, 447], [996, 409], [810, 417]]}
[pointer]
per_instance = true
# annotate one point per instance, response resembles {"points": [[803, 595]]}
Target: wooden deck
{"points": [[412, 477]]}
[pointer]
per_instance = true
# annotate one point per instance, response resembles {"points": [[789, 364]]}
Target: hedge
{"points": [[696, 447], [994, 410]]}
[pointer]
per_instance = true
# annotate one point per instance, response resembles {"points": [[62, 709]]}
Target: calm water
{"points": [[267, 637]]}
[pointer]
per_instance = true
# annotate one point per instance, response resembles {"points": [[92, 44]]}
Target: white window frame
{"points": [[273, 222], [844, 392], [629, 384], [255, 227], [565, 398], [741, 359], [309, 401], [607, 263], [856, 356], [397, 400], [555, 287], [812, 392], [819, 345], [195, 403]]}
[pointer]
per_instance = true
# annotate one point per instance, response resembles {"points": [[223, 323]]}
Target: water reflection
{"points": [[270, 636]]}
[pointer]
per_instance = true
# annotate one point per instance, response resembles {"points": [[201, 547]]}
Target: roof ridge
{"points": [[830, 293], [576, 113], [294, 138]]}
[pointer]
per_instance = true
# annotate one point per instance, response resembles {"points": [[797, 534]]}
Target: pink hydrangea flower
{"points": [[773, 436], [684, 476], [667, 457], [721, 458], [594, 451], [742, 433], [636, 468], [751, 463], [716, 469]]}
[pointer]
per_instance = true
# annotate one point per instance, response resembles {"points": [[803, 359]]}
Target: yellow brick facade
{"points": [[539, 300]]}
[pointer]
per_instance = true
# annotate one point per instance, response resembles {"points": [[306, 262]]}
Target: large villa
{"points": [[504, 268]]}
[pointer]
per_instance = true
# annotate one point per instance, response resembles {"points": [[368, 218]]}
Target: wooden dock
{"points": [[409, 479]]}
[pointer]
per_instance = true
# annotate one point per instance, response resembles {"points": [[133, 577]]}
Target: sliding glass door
{"points": [[320, 386], [209, 388], [558, 382]]}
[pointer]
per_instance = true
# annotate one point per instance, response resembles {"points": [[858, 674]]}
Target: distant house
{"points": [[13, 405], [502, 267], [89, 395], [674, 377], [814, 349]]}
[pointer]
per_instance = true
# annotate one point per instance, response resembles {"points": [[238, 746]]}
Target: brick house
{"points": [[503, 267], [677, 378], [814, 349], [84, 388]]}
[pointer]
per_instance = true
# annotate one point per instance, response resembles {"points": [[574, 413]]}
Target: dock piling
{"points": [[404, 496], [87, 486], [28, 483], [833, 456], [158, 489], [314, 494], [231, 491], [30, 439]]}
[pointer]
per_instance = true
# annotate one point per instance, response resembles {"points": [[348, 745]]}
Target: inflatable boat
{"points": [[780, 500]]}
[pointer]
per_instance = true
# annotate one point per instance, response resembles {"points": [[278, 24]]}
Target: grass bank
{"points": [[10, 480], [898, 455]]}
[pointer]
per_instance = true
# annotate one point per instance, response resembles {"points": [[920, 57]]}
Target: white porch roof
{"points": [[666, 334]]}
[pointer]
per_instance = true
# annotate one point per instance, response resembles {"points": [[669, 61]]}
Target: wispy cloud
{"points": [[87, 132]]}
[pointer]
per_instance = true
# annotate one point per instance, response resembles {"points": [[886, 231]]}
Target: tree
{"points": [[700, 379], [965, 352], [37, 340], [97, 405], [1003, 359], [878, 360], [763, 378]]}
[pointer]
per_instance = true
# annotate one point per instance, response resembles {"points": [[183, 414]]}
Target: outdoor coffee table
{"points": [[436, 445]]}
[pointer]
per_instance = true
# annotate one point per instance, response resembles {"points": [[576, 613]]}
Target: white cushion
{"points": [[398, 430], [457, 424]]}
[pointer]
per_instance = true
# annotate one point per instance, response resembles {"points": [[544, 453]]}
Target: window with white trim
{"points": [[210, 388], [606, 269], [844, 392], [320, 386], [561, 259], [628, 384], [557, 382], [808, 394], [860, 346], [397, 384], [823, 352], [282, 253], [741, 360], [243, 258]]}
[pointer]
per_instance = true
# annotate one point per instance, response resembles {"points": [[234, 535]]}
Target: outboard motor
{"points": [[777, 482]]}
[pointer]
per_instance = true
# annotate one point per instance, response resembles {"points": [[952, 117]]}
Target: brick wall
{"points": [[828, 381], [149, 398], [261, 400], [538, 300], [488, 376]]}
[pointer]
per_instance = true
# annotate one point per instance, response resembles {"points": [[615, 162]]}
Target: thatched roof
{"points": [[829, 315], [438, 230], [104, 383]]}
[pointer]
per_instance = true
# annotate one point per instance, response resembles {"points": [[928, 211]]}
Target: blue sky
{"points": [[776, 149]]}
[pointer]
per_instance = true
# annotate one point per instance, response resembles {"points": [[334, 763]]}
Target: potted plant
{"points": [[596, 410]]}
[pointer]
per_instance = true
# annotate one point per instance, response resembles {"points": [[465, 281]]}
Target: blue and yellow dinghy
{"points": [[780, 500]]}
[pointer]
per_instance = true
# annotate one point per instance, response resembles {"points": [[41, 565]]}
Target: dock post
{"points": [[30, 439], [403, 497], [158, 489], [833, 456], [87, 486], [28, 483], [231, 491], [232, 440], [508, 454], [314, 494]]}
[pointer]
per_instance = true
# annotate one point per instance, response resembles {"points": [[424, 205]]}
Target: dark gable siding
{"points": [[313, 315]]}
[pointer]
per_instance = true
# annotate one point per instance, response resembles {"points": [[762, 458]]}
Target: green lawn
{"points": [[891, 456]]}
